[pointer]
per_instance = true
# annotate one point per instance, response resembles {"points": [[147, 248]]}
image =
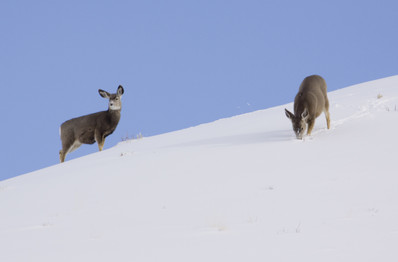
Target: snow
{"points": [[238, 189]]}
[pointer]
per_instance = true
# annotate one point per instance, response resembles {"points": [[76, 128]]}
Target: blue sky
{"points": [[182, 63]]}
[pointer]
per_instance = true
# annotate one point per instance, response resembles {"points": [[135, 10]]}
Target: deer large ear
{"points": [[305, 114], [120, 90], [104, 94], [289, 114]]}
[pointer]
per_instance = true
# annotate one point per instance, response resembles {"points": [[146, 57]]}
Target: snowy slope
{"points": [[238, 189]]}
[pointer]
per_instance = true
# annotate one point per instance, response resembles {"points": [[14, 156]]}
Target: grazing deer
{"points": [[90, 128], [311, 100]]}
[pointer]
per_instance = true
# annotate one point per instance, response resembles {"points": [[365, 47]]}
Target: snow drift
{"points": [[238, 189]]}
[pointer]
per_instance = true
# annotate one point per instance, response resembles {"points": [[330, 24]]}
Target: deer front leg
{"points": [[101, 145], [311, 123], [100, 140]]}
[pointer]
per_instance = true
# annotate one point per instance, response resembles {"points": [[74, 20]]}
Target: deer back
{"points": [[312, 95], [84, 127]]}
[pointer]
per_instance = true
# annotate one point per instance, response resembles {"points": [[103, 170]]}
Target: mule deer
{"points": [[90, 128], [310, 101]]}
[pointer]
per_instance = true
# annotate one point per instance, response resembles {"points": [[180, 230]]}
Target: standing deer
{"points": [[310, 101], [90, 128]]}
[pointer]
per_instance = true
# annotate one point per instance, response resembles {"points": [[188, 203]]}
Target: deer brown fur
{"points": [[91, 128], [310, 101]]}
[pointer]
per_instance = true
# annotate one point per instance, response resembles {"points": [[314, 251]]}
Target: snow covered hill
{"points": [[239, 189]]}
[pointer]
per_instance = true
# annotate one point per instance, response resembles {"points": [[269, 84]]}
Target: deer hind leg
{"points": [[62, 156], [327, 114], [68, 147]]}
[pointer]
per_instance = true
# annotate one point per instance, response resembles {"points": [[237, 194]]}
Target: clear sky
{"points": [[181, 63]]}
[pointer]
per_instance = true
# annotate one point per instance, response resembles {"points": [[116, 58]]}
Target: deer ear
{"points": [[120, 90], [305, 114], [104, 94], [289, 114]]}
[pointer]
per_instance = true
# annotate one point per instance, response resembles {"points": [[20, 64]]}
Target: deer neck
{"points": [[114, 115]]}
